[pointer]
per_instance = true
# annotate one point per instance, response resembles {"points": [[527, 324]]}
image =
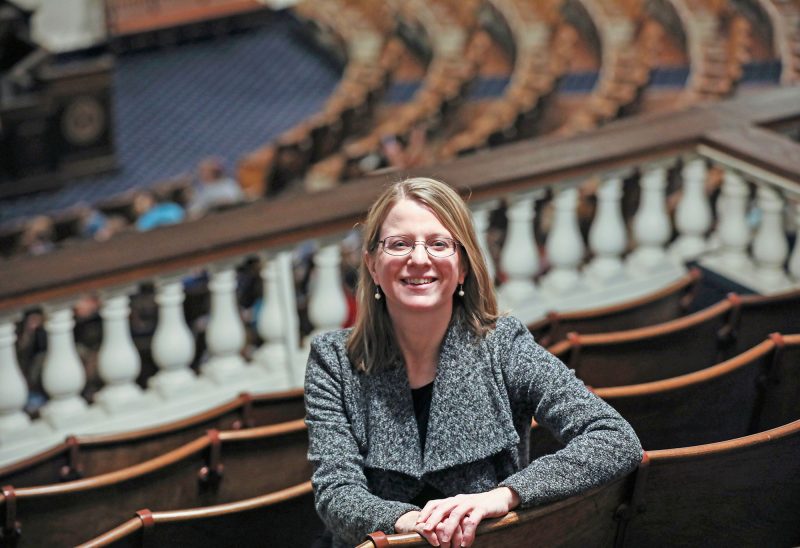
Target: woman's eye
{"points": [[438, 244], [398, 244]]}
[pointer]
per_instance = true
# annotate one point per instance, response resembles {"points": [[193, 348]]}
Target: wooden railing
{"points": [[747, 139]]}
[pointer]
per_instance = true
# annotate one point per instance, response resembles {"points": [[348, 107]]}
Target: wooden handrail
{"points": [[282, 222]]}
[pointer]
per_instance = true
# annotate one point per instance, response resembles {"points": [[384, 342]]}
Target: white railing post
{"points": [[693, 215], [118, 360], [63, 374], [272, 355], [327, 305], [297, 358], [173, 345], [651, 224], [733, 231], [225, 334], [480, 217], [565, 247], [770, 246], [794, 259], [608, 235], [519, 259], [13, 388]]}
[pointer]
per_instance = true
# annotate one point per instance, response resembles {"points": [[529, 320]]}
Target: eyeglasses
{"points": [[438, 248]]}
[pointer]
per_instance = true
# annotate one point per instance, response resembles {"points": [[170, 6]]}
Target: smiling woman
{"points": [[419, 416]]}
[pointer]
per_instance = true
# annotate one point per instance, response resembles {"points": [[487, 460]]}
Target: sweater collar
{"points": [[470, 416]]}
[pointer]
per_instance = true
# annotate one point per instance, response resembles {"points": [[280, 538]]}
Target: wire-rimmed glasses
{"points": [[438, 248]]}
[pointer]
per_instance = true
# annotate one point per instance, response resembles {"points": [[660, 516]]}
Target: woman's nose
{"points": [[419, 254]]}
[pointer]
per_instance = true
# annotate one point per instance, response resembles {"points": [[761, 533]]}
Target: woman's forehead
{"points": [[413, 216]]}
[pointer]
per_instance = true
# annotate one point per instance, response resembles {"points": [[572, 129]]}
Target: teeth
{"points": [[419, 281]]}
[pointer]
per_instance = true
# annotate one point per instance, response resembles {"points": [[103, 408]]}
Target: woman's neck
{"points": [[420, 339]]}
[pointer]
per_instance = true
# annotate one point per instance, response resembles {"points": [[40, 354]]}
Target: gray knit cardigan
{"points": [[364, 444]]}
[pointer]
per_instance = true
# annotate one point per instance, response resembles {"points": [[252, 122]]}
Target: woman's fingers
{"points": [[469, 526], [441, 509], [426, 511]]}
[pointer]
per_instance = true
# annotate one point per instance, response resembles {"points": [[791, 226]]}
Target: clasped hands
{"points": [[452, 522]]}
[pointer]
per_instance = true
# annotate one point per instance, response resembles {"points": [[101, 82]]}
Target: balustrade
{"points": [[621, 259]]}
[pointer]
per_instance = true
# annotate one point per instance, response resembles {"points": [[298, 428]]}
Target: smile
{"points": [[418, 281]]}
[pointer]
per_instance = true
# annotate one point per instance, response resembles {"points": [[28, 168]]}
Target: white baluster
{"points": [[519, 259], [565, 248], [480, 217], [327, 305], [118, 360], [273, 354], [770, 246], [225, 335], [733, 231], [693, 214], [607, 236], [13, 388], [794, 260], [63, 375], [651, 226], [297, 356], [173, 345]]}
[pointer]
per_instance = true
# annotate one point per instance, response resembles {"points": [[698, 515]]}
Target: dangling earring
{"points": [[377, 293], [460, 290]]}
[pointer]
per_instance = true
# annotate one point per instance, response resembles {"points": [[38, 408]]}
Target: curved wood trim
{"points": [[692, 277], [260, 432], [291, 394], [269, 499], [682, 381], [116, 534], [728, 446], [180, 424], [671, 326], [118, 476], [33, 460], [769, 299]]}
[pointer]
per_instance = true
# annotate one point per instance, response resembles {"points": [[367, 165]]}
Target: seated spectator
{"points": [[38, 236], [151, 214], [214, 189]]}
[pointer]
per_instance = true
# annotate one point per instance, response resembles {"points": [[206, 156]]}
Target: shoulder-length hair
{"points": [[371, 345]]}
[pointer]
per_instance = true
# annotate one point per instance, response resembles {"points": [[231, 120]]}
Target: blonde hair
{"points": [[371, 346]]}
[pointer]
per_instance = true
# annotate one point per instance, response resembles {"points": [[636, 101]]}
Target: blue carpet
{"points": [[174, 107]]}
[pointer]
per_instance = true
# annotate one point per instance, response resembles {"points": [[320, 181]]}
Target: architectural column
{"points": [[225, 335], [173, 346], [480, 217], [770, 246], [63, 374], [794, 260], [118, 360], [693, 215], [565, 248], [733, 231], [13, 388], [327, 305], [272, 355], [607, 236], [519, 260], [651, 225]]}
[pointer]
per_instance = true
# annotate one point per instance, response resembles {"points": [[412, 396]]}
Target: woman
{"points": [[419, 417]]}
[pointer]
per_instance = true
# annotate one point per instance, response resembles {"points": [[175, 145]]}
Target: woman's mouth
{"points": [[418, 281]]}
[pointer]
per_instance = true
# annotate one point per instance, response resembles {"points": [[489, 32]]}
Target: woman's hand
{"points": [[454, 520], [407, 523]]}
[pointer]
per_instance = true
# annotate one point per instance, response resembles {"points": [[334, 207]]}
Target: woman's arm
{"points": [[600, 444], [341, 492]]}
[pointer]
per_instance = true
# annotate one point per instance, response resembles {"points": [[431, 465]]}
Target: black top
{"points": [[422, 410]]}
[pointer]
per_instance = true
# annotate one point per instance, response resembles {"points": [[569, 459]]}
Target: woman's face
{"points": [[415, 283]]}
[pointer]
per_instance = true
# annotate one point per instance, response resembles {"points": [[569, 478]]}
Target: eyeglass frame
{"points": [[424, 243]]}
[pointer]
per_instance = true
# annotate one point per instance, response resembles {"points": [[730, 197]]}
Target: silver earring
{"points": [[460, 290], [377, 293]]}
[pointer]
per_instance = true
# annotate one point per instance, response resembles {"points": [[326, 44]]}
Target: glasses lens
{"points": [[397, 246], [440, 247]]}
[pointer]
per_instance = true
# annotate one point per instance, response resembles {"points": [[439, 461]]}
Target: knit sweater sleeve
{"points": [[342, 496], [600, 444]]}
